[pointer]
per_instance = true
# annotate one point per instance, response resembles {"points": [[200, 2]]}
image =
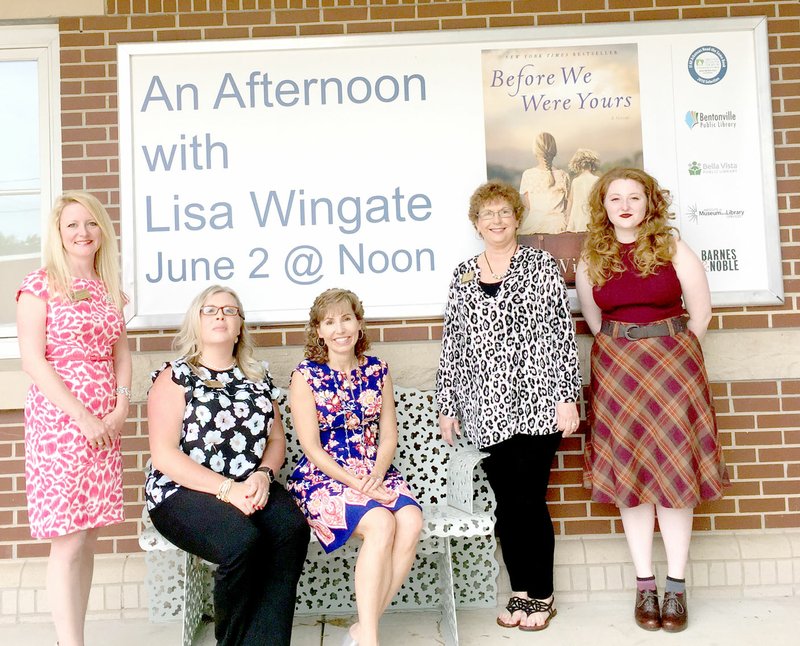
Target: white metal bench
{"points": [[455, 565]]}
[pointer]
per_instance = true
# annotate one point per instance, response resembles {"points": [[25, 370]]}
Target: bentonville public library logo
{"points": [[707, 65], [725, 119], [712, 168], [695, 213]]}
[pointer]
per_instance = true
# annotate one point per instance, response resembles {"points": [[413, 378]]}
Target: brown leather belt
{"points": [[635, 331]]}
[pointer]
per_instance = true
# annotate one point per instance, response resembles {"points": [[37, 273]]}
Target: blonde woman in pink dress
{"points": [[73, 346]]}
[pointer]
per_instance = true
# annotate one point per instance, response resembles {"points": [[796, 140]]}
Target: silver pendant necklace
{"points": [[491, 271]]}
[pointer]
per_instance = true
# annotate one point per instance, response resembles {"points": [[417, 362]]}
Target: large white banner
{"points": [[282, 167]]}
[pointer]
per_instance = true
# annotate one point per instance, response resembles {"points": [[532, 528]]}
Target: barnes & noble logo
{"points": [[719, 259]]}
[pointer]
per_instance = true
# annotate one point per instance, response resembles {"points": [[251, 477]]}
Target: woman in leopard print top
{"points": [[509, 375]]}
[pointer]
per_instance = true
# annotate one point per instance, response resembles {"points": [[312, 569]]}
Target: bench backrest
{"points": [[421, 455]]}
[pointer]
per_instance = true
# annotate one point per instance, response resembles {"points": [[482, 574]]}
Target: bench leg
{"points": [[164, 583], [449, 625], [193, 597]]}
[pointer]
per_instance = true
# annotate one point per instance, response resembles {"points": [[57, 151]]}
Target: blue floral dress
{"points": [[226, 423], [348, 412]]}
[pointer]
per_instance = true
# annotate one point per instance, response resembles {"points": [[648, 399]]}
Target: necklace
{"points": [[212, 383], [349, 376], [489, 265], [351, 404]]}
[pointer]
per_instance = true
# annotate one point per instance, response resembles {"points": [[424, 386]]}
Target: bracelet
{"points": [[224, 490], [124, 390]]}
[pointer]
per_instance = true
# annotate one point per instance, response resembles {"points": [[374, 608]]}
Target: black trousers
{"points": [[518, 470], [260, 558]]}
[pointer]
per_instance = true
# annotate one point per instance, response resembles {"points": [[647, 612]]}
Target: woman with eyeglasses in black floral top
{"points": [[217, 440]]}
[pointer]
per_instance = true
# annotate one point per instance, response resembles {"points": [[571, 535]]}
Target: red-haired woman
{"points": [[654, 449]]}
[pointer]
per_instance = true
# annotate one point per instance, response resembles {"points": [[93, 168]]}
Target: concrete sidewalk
{"points": [[713, 622]]}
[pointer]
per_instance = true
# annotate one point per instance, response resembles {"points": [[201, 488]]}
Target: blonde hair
{"points": [[544, 146], [188, 345], [106, 259], [655, 243], [323, 304], [583, 159]]}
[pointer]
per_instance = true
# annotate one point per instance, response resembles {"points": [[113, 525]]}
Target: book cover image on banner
{"points": [[555, 119]]}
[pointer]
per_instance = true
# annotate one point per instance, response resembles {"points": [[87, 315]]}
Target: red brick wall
{"points": [[759, 421], [759, 425]]}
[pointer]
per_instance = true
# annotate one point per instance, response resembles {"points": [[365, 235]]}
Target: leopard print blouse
{"points": [[507, 359]]}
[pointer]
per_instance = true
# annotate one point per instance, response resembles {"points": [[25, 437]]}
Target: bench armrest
{"points": [[460, 474]]}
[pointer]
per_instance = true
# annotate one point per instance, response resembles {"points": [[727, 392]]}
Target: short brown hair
{"points": [[323, 304], [491, 191]]}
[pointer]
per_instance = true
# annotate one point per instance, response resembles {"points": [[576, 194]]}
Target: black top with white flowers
{"points": [[226, 423]]}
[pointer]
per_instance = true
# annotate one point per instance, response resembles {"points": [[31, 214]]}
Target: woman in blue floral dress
{"points": [[216, 441], [342, 401]]}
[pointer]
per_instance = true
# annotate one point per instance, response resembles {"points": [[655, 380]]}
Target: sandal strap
{"points": [[518, 603], [536, 605]]}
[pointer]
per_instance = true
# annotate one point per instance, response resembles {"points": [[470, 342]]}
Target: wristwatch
{"points": [[270, 473]]}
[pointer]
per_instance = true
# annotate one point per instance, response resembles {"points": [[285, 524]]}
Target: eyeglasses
{"points": [[504, 214], [227, 310]]}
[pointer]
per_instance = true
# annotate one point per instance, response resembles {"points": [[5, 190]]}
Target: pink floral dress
{"points": [[71, 486], [348, 412]]}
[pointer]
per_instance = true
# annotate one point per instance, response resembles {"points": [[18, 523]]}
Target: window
{"points": [[30, 158]]}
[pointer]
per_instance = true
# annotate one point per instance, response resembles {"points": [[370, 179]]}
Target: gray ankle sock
{"points": [[675, 585]]}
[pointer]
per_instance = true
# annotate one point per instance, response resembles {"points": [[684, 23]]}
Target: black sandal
{"points": [[514, 604], [535, 605]]}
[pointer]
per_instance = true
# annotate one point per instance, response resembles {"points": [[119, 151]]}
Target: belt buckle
{"points": [[627, 332]]}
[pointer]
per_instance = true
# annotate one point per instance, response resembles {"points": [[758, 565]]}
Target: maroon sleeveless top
{"points": [[631, 298]]}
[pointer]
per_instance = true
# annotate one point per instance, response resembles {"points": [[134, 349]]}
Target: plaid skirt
{"points": [[653, 430]]}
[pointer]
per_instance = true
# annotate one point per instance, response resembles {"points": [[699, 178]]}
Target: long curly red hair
{"points": [[655, 240]]}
